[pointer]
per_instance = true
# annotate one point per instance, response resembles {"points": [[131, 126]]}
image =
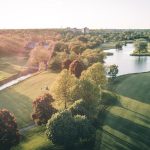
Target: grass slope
{"points": [[126, 126], [18, 98], [11, 65], [136, 86], [35, 139]]}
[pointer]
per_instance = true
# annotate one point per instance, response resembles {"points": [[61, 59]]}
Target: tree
{"points": [[113, 71], [93, 56], [77, 47], [141, 46], [60, 47], [76, 68], [118, 45], [61, 129], [39, 55], [43, 109], [70, 131], [89, 93], [83, 39], [61, 88], [96, 73], [66, 64], [9, 133]]}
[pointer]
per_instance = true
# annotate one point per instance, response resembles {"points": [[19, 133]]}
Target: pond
{"points": [[126, 63]]}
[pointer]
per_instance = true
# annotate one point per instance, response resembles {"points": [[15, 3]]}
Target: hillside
{"points": [[136, 86], [126, 126], [18, 98]]}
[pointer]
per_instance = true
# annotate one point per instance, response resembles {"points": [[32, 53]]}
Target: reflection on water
{"points": [[126, 63]]}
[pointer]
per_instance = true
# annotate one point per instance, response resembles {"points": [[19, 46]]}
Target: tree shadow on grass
{"points": [[18, 104], [138, 134]]}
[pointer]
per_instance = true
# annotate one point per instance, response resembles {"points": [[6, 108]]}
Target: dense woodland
{"points": [[81, 87]]}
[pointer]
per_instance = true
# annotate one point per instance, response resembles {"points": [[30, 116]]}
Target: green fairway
{"points": [[126, 126], [35, 139], [136, 86], [18, 98], [11, 65]]}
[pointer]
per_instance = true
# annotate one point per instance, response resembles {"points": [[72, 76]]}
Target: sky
{"points": [[100, 14]]}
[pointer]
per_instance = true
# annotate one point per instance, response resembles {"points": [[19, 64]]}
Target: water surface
{"points": [[126, 63]]}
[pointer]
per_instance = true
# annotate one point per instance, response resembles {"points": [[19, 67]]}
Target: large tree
{"points": [[96, 73], [43, 109], [70, 131], [61, 88], [141, 46], [9, 133]]}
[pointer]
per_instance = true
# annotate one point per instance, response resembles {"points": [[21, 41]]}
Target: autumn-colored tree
{"points": [[95, 73], [43, 109], [61, 88], [76, 68], [66, 64], [9, 133]]}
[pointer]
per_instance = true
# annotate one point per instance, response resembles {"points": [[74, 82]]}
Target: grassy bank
{"points": [[126, 126], [135, 86], [18, 98], [11, 65], [35, 139]]}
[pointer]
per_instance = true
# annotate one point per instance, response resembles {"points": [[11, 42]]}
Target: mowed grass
{"points": [[35, 139], [126, 126], [18, 98], [11, 65], [136, 86]]}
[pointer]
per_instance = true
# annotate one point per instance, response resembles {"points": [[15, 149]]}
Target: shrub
{"points": [[9, 134], [43, 109]]}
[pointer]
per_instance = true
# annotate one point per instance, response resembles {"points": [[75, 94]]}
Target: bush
{"points": [[9, 134], [43, 109]]}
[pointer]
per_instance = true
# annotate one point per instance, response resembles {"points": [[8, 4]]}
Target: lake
{"points": [[126, 63]]}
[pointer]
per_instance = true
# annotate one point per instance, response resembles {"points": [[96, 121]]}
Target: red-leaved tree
{"points": [[66, 64], [9, 133], [76, 68], [43, 109]]}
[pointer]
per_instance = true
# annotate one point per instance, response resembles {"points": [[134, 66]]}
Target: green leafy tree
{"points": [[61, 88], [113, 71], [95, 73], [9, 133], [141, 46], [70, 131], [61, 129], [89, 93], [43, 109]]}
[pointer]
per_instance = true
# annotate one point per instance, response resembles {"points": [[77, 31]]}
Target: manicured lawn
{"points": [[11, 65], [126, 126], [18, 98], [136, 86], [35, 139]]}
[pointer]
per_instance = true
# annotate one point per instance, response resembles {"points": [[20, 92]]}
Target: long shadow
{"points": [[138, 133], [18, 104]]}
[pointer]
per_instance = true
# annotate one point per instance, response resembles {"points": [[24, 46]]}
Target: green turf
{"points": [[136, 86], [126, 126], [11, 65], [35, 139], [18, 98]]}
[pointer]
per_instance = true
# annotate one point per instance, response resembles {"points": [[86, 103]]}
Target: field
{"points": [[18, 99], [35, 139], [135, 86], [11, 65], [126, 126]]}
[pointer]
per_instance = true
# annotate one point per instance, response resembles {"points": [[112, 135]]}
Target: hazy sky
{"points": [[75, 13]]}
